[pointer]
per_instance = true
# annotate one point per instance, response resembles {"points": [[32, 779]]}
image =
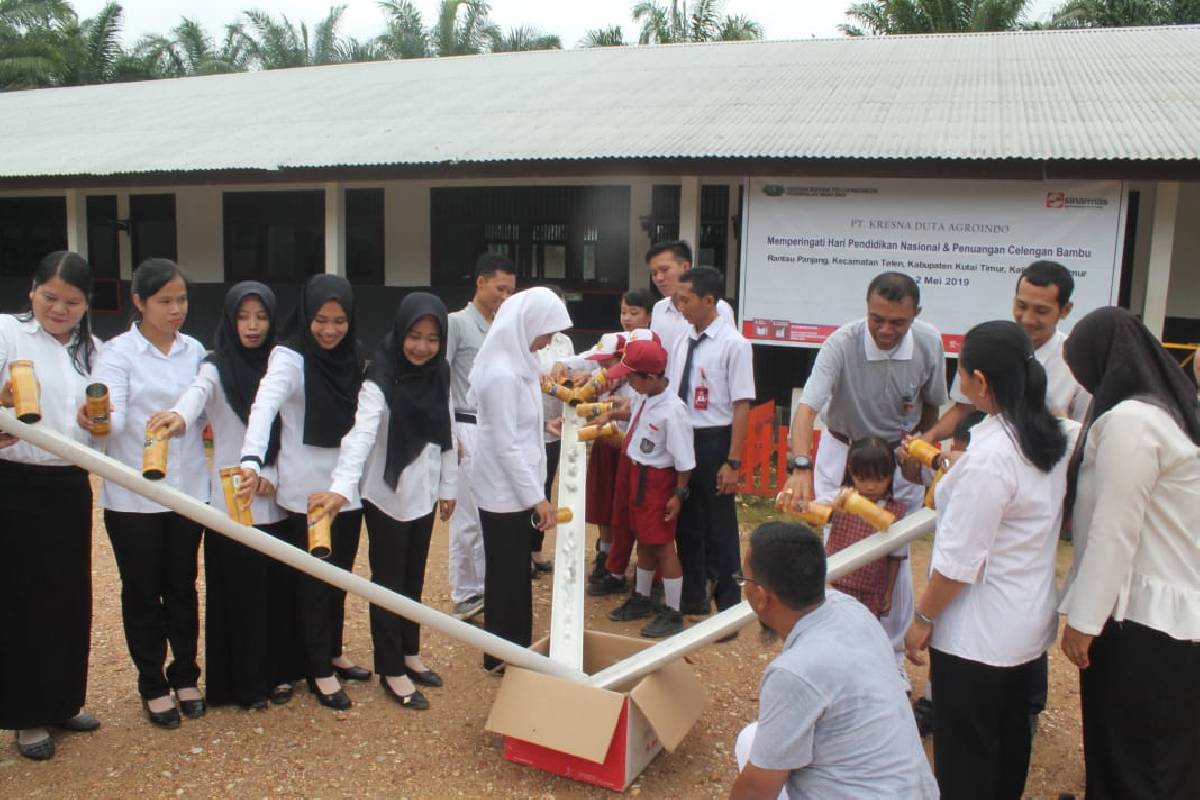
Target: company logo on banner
{"points": [[811, 247]]}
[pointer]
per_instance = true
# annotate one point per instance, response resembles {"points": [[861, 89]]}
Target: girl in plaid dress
{"points": [[870, 466]]}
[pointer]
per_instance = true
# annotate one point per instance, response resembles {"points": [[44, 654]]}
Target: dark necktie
{"points": [[685, 381]]}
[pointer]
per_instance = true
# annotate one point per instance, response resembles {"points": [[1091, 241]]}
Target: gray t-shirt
{"points": [[832, 710], [466, 331], [872, 392]]}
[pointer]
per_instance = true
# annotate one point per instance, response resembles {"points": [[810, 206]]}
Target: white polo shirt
{"points": [[669, 323], [723, 363], [663, 436], [1064, 396]]}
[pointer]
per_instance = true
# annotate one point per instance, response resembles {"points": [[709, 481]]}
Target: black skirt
{"points": [[45, 593]]}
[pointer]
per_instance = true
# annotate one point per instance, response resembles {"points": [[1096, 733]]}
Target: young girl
{"points": [[401, 452], [312, 384], [870, 469], [146, 369], [242, 661]]}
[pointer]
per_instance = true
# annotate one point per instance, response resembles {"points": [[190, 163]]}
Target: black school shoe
{"points": [[352, 673], [598, 570], [668, 622], [638, 606], [338, 701], [609, 584], [424, 678], [923, 716], [168, 720]]}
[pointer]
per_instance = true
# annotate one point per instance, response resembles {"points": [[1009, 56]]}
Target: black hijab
{"points": [[331, 377], [418, 398], [241, 368]]}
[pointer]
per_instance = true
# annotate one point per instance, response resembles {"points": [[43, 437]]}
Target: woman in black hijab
{"points": [[1132, 598], [401, 453]]}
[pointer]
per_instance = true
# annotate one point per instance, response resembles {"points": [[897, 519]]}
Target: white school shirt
{"points": [[303, 469], [60, 384], [997, 531], [1137, 525], [1064, 396], [663, 436], [142, 381], [206, 397], [671, 325], [362, 460], [508, 470], [560, 348], [724, 362]]}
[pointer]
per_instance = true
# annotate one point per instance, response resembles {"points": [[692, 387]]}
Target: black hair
{"points": [[870, 457], [962, 431], [150, 277], [1047, 273], [705, 281], [789, 559], [1002, 352], [74, 270], [681, 250], [488, 264], [894, 287], [642, 298]]}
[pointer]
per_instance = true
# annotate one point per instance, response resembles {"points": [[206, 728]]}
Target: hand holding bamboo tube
{"points": [[852, 502], [24, 391], [593, 409], [589, 432], [154, 454], [928, 454], [556, 390], [590, 390], [811, 513], [231, 480], [562, 515]]}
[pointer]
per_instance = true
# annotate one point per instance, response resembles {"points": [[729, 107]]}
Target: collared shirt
{"points": [[1136, 518], [61, 386], [669, 323], [723, 363], [508, 469], [998, 523], [465, 332], [303, 469], [206, 397], [362, 460], [142, 381], [1064, 396], [872, 392], [663, 436], [832, 711], [560, 348]]}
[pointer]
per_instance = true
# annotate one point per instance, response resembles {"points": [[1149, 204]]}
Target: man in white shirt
{"points": [[667, 262], [495, 280]]}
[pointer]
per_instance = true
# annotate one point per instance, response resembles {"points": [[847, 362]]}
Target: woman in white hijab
{"points": [[510, 460]]}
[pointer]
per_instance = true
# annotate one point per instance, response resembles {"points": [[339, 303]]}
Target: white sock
{"points": [[645, 577], [605, 546], [673, 590]]}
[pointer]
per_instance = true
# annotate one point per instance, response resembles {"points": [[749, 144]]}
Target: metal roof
{"points": [[1092, 94]]}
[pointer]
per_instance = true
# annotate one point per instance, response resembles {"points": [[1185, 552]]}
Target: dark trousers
{"points": [[1039, 687], [321, 608], [1141, 714], [553, 454], [286, 659], [398, 551], [156, 557], [507, 537], [707, 535], [981, 735]]}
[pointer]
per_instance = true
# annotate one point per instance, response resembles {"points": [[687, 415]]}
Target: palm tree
{"points": [[739, 28], [1124, 13], [612, 36], [278, 43], [933, 16], [92, 48], [524, 38], [664, 24], [190, 50], [32, 34], [405, 35], [463, 28]]}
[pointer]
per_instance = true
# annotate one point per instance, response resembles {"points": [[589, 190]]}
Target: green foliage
{"points": [[1124, 13], [704, 22], [612, 36], [878, 17], [525, 38]]}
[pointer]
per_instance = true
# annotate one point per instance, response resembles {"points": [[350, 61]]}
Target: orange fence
{"points": [[764, 456]]}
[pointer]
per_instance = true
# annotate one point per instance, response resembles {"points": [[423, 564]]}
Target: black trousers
{"points": [[981, 735], [507, 537], [1141, 714], [553, 454], [45, 593], [707, 534], [398, 552], [285, 654], [156, 557], [321, 608], [1039, 688]]}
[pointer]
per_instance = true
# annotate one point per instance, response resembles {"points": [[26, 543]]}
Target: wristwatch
{"points": [[736, 463], [919, 617], [799, 462], [682, 492]]}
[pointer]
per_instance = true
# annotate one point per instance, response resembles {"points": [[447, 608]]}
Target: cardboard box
{"points": [[596, 736]]}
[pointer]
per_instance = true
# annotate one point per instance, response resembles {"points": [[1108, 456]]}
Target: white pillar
{"points": [[77, 222], [335, 229], [1162, 247], [689, 211], [125, 239]]}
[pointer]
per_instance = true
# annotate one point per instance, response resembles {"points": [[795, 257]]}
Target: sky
{"points": [[570, 19]]}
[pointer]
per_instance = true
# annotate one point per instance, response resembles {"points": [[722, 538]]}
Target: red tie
{"points": [[633, 426]]}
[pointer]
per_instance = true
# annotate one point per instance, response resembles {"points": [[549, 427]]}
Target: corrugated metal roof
{"points": [[1096, 94]]}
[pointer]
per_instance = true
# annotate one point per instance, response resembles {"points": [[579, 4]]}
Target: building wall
{"points": [[1184, 297]]}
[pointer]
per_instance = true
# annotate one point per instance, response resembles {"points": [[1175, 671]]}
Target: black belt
{"points": [[844, 439], [464, 416]]}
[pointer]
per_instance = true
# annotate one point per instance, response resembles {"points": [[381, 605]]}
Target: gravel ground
{"points": [[378, 749]]}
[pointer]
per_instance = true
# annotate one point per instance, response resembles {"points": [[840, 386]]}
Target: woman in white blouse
{"points": [[1133, 594], [145, 369], [46, 571], [312, 383], [400, 452], [988, 613], [245, 657], [509, 473]]}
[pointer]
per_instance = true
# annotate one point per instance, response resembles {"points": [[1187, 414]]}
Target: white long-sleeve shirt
{"points": [[303, 469], [207, 397], [509, 469], [671, 325], [362, 460]]}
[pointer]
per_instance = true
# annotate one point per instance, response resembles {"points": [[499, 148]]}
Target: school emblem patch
{"points": [[647, 446]]}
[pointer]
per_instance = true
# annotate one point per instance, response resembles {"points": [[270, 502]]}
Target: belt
{"points": [[464, 416], [844, 439]]}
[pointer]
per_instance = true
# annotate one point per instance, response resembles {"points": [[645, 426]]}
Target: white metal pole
{"points": [[570, 558]]}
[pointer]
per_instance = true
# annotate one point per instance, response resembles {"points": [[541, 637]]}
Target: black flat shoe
{"points": [[83, 722], [169, 719], [38, 751], [415, 701], [193, 709], [424, 678], [257, 704], [355, 673], [281, 695], [338, 701]]}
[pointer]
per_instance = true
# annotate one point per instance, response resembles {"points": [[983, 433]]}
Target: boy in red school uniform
{"points": [[661, 457]]}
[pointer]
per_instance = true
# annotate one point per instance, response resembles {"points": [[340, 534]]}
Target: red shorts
{"points": [[601, 478], [647, 516]]}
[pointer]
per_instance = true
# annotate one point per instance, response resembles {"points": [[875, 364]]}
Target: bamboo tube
{"points": [[154, 454], [25, 391], [589, 432], [231, 480], [854, 503], [97, 409]]}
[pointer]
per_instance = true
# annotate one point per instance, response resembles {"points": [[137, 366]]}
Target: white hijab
{"points": [[521, 319]]}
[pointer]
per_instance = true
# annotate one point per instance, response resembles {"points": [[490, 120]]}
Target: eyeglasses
{"points": [[742, 580]]}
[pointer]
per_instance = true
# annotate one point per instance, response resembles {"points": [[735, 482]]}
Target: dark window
{"points": [[274, 236], [663, 222], [30, 229], [714, 227], [364, 235], [104, 251], [152, 226]]}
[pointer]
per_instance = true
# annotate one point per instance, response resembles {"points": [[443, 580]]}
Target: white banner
{"points": [[810, 246]]}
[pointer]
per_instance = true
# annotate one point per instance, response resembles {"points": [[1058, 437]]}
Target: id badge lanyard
{"points": [[700, 399]]}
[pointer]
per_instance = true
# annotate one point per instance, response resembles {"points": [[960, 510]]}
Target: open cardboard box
{"points": [[593, 735]]}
